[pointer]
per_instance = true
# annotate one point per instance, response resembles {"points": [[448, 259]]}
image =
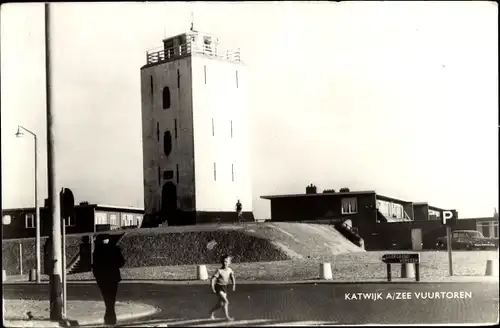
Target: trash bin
{"points": [[32, 275]]}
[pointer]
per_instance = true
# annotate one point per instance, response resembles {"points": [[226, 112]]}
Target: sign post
{"points": [[64, 285], [448, 220], [402, 258]]}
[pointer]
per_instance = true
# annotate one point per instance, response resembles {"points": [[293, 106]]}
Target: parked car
{"points": [[468, 240]]}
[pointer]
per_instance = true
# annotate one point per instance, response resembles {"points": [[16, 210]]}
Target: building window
{"points": [[159, 177], [213, 128], [349, 205], [112, 219], [205, 73], [158, 131], [177, 172], [231, 128], [232, 172], [167, 175], [215, 172], [30, 220], [167, 143], [166, 98], [175, 128], [178, 79], [236, 79], [71, 221]]}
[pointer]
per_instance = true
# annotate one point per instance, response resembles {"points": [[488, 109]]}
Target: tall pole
{"points": [[54, 209], [37, 219]]}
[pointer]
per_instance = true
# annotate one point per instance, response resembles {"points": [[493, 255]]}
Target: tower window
{"points": [[231, 128], [236, 79], [167, 143], [166, 98], [175, 128], [177, 172], [215, 172], [205, 72], [159, 176], [158, 131], [213, 128], [167, 175], [151, 86], [178, 79], [232, 172]]}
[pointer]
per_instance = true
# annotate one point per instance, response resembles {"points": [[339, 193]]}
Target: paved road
{"points": [[284, 304]]}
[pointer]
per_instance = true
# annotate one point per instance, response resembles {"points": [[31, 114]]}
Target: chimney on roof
{"points": [[311, 189]]}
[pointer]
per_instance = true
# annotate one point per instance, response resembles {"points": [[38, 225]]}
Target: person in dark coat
{"points": [[107, 261]]}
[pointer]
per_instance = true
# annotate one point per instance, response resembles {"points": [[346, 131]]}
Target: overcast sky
{"points": [[401, 98]]}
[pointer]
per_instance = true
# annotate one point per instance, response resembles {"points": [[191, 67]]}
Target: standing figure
{"points": [[219, 283], [107, 261], [239, 213]]}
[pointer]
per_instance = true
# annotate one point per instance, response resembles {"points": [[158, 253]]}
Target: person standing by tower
{"points": [[239, 212], [106, 264]]}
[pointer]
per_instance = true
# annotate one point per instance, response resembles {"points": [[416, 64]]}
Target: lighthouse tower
{"points": [[195, 131]]}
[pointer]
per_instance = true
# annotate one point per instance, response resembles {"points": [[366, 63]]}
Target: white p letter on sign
{"points": [[447, 215]]}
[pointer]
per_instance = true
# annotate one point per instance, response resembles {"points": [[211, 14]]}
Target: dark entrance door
{"points": [[169, 202]]}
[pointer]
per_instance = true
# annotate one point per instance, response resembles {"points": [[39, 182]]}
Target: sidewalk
{"points": [[79, 313]]}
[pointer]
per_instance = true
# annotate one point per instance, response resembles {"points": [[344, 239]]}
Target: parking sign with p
{"points": [[449, 217]]}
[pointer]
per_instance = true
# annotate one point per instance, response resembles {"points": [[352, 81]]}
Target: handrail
{"points": [[189, 48]]}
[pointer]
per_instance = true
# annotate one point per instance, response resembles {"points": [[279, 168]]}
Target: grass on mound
{"points": [[160, 248]]}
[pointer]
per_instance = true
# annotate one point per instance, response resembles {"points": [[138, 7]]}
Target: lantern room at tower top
{"points": [[193, 42]]}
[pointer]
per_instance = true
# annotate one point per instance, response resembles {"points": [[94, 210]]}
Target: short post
{"points": [[20, 259], [201, 272], [389, 272]]}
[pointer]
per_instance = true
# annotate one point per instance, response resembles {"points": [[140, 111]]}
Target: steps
{"points": [[76, 267]]}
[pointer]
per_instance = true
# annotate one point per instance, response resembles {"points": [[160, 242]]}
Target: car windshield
{"points": [[475, 234]]}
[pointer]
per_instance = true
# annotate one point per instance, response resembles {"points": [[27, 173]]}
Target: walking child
{"points": [[219, 283]]}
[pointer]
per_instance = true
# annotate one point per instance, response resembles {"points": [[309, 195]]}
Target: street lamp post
{"points": [[37, 208]]}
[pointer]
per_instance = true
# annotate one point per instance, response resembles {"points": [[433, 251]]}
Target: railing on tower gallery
{"points": [[190, 48]]}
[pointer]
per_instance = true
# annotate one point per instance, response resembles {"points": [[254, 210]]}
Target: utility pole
{"points": [[54, 206]]}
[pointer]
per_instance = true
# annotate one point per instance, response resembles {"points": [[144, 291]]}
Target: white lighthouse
{"points": [[195, 127]]}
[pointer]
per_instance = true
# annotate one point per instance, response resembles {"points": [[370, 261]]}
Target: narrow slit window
{"points": [[213, 128], [232, 172], [177, 172], [178, 79], [166, 98], [231, 128], [215, 172], [205, 72], [158, 131], [175, 128], [159, 176], [151, 86], [236, 79]]}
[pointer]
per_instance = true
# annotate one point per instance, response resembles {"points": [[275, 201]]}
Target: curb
{"points": [[68, 322], [125, 317]]}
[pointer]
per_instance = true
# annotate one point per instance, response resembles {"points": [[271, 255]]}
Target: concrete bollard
{"points": [[491, 268], [4, 275], [407, 270], [201, 272], [325, 271], [32, 275]]}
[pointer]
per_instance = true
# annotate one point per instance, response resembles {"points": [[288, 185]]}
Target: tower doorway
{"points": [[168, 200]]}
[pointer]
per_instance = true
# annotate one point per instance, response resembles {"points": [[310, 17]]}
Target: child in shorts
{"points": [[219, 283]]}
